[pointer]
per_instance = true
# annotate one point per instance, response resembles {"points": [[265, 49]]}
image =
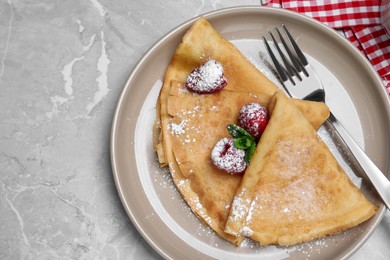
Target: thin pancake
{"points": [[294, 190], [188, 125]]}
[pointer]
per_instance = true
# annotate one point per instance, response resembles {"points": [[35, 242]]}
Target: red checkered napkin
{"points": [[374, 41], [360, 21]]}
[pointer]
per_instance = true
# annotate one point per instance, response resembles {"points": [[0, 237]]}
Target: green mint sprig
{"points": [[243, 140], [235, 131]]}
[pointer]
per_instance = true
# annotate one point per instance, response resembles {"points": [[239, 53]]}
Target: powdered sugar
{"points": [[178, 128], [185, 131], [239, 208], [302, 193], [292, 156], [246, 231]]}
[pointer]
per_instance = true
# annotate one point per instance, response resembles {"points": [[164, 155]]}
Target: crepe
{"points": [[294, 190], [188, 125]]}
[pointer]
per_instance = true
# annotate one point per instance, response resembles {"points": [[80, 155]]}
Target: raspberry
{"points": [[227, 157], [253, 118], [206, 79]]}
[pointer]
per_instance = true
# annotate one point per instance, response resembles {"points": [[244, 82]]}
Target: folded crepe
{"points": [[294, 190], [188, 125]]}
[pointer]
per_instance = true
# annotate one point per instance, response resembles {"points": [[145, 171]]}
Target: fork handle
{"points": [[378, 179]]}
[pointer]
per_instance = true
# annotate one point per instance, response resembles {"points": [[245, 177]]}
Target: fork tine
{"points": [[294, 61], [300, 54], [285, 61], [279, 68]]}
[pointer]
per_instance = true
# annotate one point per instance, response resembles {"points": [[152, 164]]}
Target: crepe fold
{"points": [[294, 190], [188, 125]]}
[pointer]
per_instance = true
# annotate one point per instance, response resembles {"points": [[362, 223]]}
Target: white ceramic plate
{"points": [[147, 192]]}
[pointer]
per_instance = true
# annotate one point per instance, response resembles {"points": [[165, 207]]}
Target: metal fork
{"points": [[300, 81]]}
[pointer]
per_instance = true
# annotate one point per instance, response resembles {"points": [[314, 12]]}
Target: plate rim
{"points": [[215, 13]]}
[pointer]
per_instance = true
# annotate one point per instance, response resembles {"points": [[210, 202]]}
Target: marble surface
{"points": [[62, 67]]}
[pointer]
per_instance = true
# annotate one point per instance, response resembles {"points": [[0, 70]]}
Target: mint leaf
{"points": [[249, 152], [236, 132], [233, 131], [242, 142]]}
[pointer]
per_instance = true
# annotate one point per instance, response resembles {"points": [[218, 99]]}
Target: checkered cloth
{"points": [[358, 19]]}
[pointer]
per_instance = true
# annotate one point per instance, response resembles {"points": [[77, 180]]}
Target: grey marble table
{"points": [[62, 67]]}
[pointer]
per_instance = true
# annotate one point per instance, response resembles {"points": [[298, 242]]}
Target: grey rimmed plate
{"points": [[147, 192]]}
